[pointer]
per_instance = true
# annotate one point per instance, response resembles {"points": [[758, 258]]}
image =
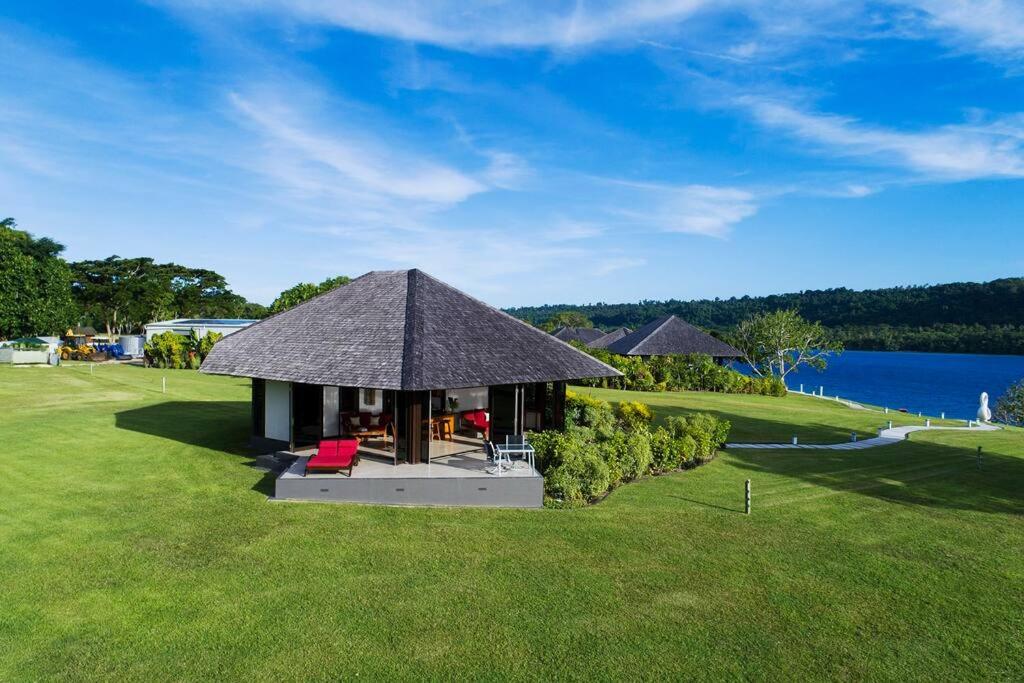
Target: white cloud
{"points": [[964, 151], [463, 24], [693, 209], [366, 163], [993, 25]]}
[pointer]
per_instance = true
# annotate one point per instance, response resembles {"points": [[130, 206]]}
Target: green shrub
{"points": [[664, 454], [170, 350], [580, 478], [634, 415], [1010, 406], [596, 453], [680, 372], [563, 488], [707, 432], [166, 350], [586, 411], [635, 458]]}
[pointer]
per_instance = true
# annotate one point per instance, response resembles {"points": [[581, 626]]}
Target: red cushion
{"points": [[333, 454]]}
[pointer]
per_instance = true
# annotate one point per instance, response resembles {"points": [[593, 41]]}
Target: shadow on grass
{"points": [[705, 503], [217, 425], [912, 473]]}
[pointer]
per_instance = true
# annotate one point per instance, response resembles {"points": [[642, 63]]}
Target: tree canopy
{"points": [[966, 317], [778, 343], [35, 285], [304, 291], [123, 294], [566, 319]]}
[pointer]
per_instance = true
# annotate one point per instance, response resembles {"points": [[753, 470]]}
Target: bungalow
{"points": [[604, 341], [580, 334], [670, 335], [419, 373]]}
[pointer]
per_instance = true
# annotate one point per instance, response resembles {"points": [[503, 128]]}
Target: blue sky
{"points": [[526, 152]]}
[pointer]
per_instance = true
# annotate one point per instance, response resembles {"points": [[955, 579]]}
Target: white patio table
{"points": [[506, 450]]}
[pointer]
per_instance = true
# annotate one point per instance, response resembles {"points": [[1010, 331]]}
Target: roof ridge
{"points": [[525, 324], [654, 331], [410, 354]]}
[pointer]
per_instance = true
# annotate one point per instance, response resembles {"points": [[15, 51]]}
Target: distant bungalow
{"points": [[604, 341], [670, 335], [579, 334]]}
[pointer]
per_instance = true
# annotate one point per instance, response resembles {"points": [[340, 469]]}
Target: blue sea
{"points": [[931, 383]]}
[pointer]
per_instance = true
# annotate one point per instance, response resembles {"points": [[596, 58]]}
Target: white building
{"points": [[183, 326]]}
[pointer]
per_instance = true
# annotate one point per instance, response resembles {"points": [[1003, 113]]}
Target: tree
{"points": [[779, 343], [123, 294], [35, 285], [566, 319], [1010, 406], [304, 291]]}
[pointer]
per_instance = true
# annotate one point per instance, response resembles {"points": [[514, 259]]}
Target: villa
{"points": [[417, 377], [670, 335], [584, 335]]}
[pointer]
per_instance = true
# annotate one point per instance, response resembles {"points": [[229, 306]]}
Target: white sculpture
{"points": [[984, 414]]}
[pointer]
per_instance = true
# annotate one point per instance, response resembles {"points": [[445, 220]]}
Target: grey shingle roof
{"points": [[603, 341], [401, 330], [668, 335], [580, 334]]}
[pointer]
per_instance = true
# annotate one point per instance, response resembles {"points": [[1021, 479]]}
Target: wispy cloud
{"points": [[986, 25], [452, 23], [711, 211], [984, 148], [366, 163]]}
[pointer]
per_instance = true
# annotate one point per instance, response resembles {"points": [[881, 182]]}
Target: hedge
{"points": [[600, 450], [680, 372]]}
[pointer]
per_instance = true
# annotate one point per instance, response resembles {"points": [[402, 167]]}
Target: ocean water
{"points": [[931, 383]]}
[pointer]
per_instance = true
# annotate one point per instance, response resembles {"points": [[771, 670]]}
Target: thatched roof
{"points": [[402, 330], [580, 334], [668, 335], [603, 341]]}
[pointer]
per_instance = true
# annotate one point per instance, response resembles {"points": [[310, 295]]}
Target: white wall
{"points": [[278, 417], [474, 398]]}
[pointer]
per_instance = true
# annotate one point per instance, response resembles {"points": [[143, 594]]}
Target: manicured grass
{"points": [[137, 543], [767, 419]]}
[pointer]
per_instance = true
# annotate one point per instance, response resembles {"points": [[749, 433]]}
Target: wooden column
{"points": [[540, 393], [558, 405], [413, 425]]}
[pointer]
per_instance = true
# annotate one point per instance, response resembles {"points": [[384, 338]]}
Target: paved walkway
{"points": [[886, 437]]}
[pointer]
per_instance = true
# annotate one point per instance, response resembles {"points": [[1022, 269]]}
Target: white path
{"points": [[886, 437]]}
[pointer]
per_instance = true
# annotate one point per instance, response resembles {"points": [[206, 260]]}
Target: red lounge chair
{"points": [[477, 421], [334, 455]]}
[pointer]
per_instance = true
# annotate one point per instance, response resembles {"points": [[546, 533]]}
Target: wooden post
{"points": [[747, 507], [163, 381]]}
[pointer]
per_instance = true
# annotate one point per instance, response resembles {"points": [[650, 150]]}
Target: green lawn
{"points": [[137, 543], [769, 419]]}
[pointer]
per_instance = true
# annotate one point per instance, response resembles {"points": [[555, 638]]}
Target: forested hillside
{"points": [[957, 317]]}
